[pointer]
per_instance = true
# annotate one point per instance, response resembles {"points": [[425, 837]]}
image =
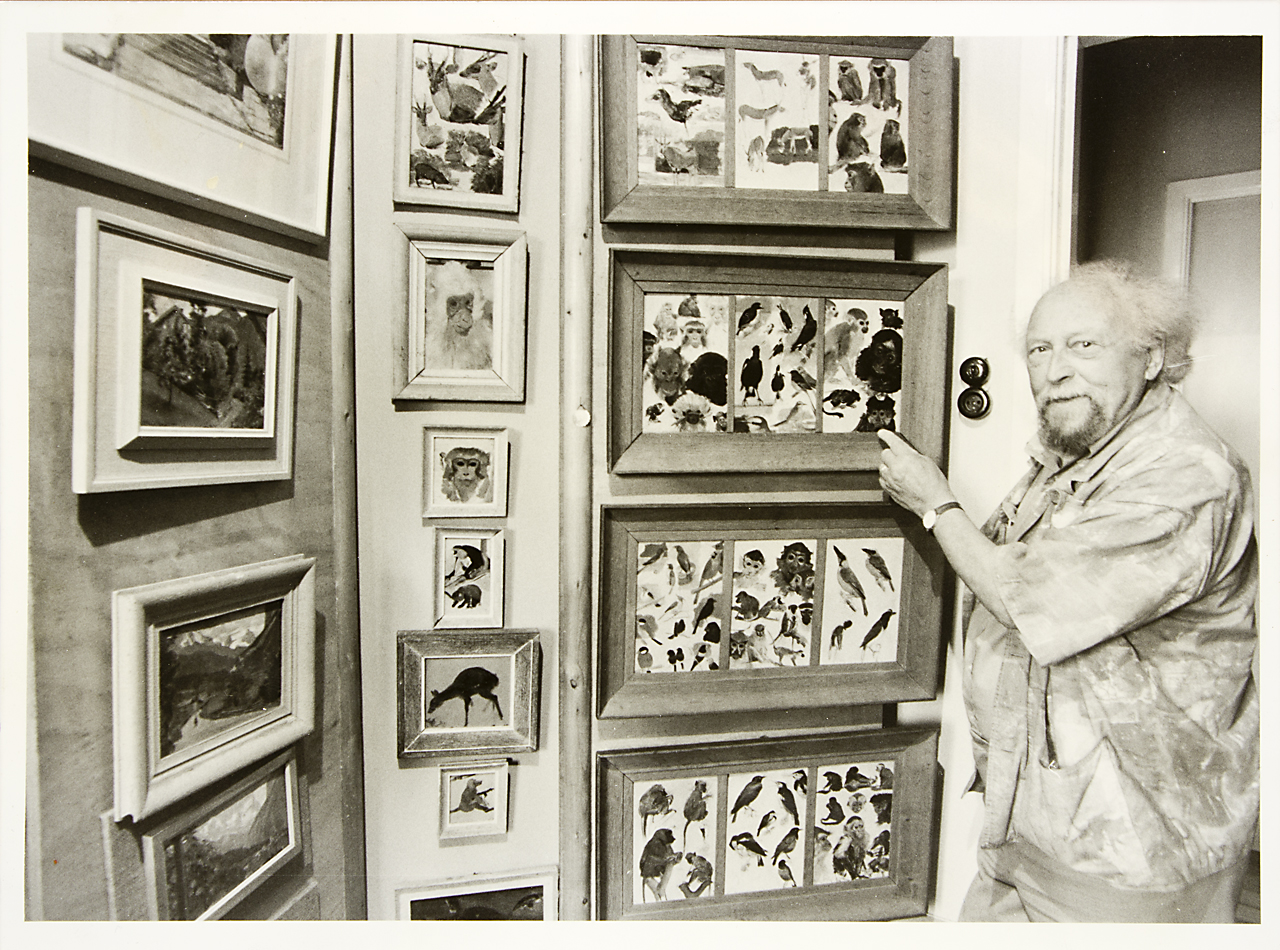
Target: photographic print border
{"points": [[508, 252], [496, 540], [103, 124], [911, 674], [499, 462], [928, 204], [415, 648], [545, 877], [496, 820], [145, 780], [919, 288], [513, 122]]}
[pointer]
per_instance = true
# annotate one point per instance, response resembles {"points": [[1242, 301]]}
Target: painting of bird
{"points": [[695, 808], [778, 383], [788, 802], [655, 802], [705, 610], [714, 568], [644, 659], [784, 872], [877, 628], [749, 315], [679, 111], [686, 567], [878, 568], [652, 553], [766, 822], [751, 375], [785, 318], [746, 843], [749, 793], [850, 586], [702, 653], [787, 844], [800, 780], [648, 626], [837, 634], [807, 331]]}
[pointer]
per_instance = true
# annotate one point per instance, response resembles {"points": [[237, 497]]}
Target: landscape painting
{"points": [[680, 115], [674, 835], [239, 79]]}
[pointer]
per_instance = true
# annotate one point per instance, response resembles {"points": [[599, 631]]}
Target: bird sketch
{"points": [[877, 628], [878, 569], [850, 586], [671, 611], [750, 792]]}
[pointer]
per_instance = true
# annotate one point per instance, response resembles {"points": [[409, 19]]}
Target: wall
{"points": [[396, 544]]}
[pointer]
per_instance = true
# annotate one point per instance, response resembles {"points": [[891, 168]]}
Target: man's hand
{"points": [[911, 479]]}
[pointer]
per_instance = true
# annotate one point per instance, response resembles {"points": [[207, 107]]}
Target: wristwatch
{"points": [[930, 517]]}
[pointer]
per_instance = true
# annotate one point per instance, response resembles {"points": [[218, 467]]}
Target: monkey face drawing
{"points": [[794, 560], [457, 312], [463, 472]]}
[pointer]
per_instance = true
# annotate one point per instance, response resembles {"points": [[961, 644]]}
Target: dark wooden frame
{"points": [[904, 893], [921, 289], [928, 204], [911, 675]]}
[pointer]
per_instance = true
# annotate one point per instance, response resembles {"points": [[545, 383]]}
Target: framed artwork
{"points": [[201, 863], [464, 472], [469, 577], [750, 363], [238, 124], [459, 111], [209, 673], [522, 895], [468, 691], [827, 131], [464, 338], [830, 828], [185, 360], [718, 608], [473, 799]]}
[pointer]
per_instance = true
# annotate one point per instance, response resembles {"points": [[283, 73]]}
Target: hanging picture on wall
{"points": [[210, 673], [825, 131], [473, 799], [185, 361], [237, 123], [747, 363], [202, 863], [521, 895], [766, 607], [837, 827], [473, 691], [469, 577], [464, 472], [459, 113], [464, 338]]}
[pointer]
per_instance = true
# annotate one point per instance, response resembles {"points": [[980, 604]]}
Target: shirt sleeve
{"points": [[1093, 571]]}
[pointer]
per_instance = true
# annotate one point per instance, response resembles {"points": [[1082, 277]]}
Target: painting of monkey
{"points": [[465, 473]]}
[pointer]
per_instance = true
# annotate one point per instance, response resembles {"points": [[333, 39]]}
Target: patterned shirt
{"points": [[1116, 724]]}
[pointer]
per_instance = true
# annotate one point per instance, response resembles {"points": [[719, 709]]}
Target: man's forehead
{"points": [[1069, 307]]}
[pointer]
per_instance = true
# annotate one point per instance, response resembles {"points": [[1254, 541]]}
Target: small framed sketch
{"points": [[464, 472], [469, 577], [184, 361], [832, 828], [730, 608], [473, 799], [237, 123], [468, 691], [828, 131], [464, 338], [209, 673], [201, 863], [521, 895], [459, 113], [748, 363]]}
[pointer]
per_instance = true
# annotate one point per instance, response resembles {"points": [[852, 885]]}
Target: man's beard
{"points": [[1075, 440]]}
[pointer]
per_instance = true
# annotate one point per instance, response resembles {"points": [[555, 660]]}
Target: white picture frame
{"points": [[483, 897], [255, 627], [469, 577], [465, 472], [474, 799], [84, 111]]}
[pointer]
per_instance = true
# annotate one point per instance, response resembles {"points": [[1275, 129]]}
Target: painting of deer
{"points": [[473, 681]]}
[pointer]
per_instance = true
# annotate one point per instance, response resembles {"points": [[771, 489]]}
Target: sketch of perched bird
{"points": [[695, 808], [648, 626], [766, 822], [686, 566], [800, 780], [677, 110], [784, 872], [702, 653], [788, 802], [803, 381], [849, 82], [886, 775], [644, 659], [807, 331], [854, 780], [778, 348], [677, 629], [837, 634], [848, 581], [835, 814], [878, 568], [749, 315], [832, 783], [745, 843], [676, 658], [752, 373], [877, 628], [706, 609], [714, 566], [656, 801], [651, 553], [777, 384], [749, 793], [785, 318], [787, 844]]}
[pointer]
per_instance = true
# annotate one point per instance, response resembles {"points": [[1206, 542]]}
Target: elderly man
{"points": [[1110, 638]]}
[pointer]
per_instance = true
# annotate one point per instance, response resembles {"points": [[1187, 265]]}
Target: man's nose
{"points": [[1059, 366]]}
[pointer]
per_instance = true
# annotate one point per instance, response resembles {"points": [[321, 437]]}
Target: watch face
{"points": [[930, 517]]}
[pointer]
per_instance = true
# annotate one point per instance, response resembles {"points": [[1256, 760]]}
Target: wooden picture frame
{"points": [[246, 834], [465, 471], [237, 645], [244, 129], [473, 799], [863, 346], [185, 361], [469, 157], [692, 842], [516, 895], [694, 131], [721, 608], [501, 667], [480, 359], [470, 578]]}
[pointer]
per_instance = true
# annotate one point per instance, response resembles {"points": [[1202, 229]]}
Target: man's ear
{"points": [[1155, 360]]}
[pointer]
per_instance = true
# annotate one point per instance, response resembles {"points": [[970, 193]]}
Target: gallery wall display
{"points": [[185, 361], [209, 673], [459, 111], [239, 124], [517, 895], [203, 862], [464, 334], [464, 472], [725, 608], [850, 132], [830, 828], [473, 799], [467, 691], [748, 363], [470, 577]]}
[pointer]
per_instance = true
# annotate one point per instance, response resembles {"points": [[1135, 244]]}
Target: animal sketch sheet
{"points": [[766, 831], [773, 585], [680, 110], [853, 822], [678, 616], [674, 837], [776, 121], [774, 352], [686, 339], [867, 125], [861, 599]]}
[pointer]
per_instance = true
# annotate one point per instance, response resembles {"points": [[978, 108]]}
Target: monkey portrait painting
{"points": [[465, 473], [459, 317]]}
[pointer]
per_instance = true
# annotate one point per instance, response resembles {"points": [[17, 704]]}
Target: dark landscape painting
{"points": [[218, 673], [203, 365], [516, 903]]}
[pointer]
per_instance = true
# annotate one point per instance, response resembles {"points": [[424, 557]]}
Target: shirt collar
{"points": [[1156, 397]]}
